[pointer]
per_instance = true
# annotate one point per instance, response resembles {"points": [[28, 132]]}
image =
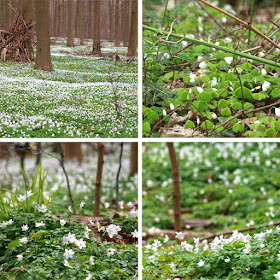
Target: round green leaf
{"points": [[246, 93], [204, 96], [270, 132], [238, 128], [189, 124], [237, 106], [223, 103], [276, 93], [146, 128], [207, 124], [226, 112], [276, 125]]}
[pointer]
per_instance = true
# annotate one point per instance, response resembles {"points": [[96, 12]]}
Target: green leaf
{"points": [[189, 124], [276, 93], [13, 244], [246, 93], [238, 128], [223, 103], [258, 96], [146, 128], [270, 132], [276, 125], [247, 66], [237, 106], [226, 112], [207, 124], [204, 96], [152, 116]]}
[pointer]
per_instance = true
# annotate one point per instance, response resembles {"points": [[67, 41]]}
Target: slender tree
{"points": [[117, 23], [132, 45], [70, 24], [96, 32], [98, 183], [73, 151], [43, 46], [126, 23], [133, 158], [117, 179], [176, 187]]}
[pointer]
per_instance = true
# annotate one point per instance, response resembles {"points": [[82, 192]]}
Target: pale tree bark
{"points": [[98, 183], [132, 45], [73, 151], [117, 23], [176, 187], [77, 16], [133, 159], [111, 18], [43, 46], [70, 24], [64, 18], [96, 32]]}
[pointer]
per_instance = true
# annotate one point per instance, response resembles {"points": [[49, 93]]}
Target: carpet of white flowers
{"points": [[35, 244], [235, 187], [74, 100]]}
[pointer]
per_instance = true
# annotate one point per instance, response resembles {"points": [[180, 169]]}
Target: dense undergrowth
{"points": [[41, 240], [231, 185], [213, 79]]}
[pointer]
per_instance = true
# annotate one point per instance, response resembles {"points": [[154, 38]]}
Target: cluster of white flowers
{"points": [[113, 230]]}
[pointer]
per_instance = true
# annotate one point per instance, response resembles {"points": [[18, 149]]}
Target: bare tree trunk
{"points": [[111, 19], [96, 33], [126, 20], [26, 10], [96, 209], [71, 26], [176, 187], [38, 155], [117, 23], [73, 151], [132, 45], [117, 179], [43, 47], [81, 18], [133, 158]]}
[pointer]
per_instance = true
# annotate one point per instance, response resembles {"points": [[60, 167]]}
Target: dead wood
{"points": [[15, 43]]}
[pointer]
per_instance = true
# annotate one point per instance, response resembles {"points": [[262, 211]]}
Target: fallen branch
{"points": [[245, 112], [242, 230], [247, 25], [211, 45]]}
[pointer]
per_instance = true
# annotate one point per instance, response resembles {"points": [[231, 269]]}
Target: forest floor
{"points": [[53, 234], [194, 87], [75, 100]]}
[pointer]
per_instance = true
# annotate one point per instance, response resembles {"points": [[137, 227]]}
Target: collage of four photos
{"points": [[139, 139]]}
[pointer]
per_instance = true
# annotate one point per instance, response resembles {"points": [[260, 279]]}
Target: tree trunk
{"points": [[133, 159], [126, 23], [132, 45], [73, 151], [96, 34], [111, 18], [96, 209], [70, 24], [81, 5], [43, 47], [117, 23], [176, 187]]}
